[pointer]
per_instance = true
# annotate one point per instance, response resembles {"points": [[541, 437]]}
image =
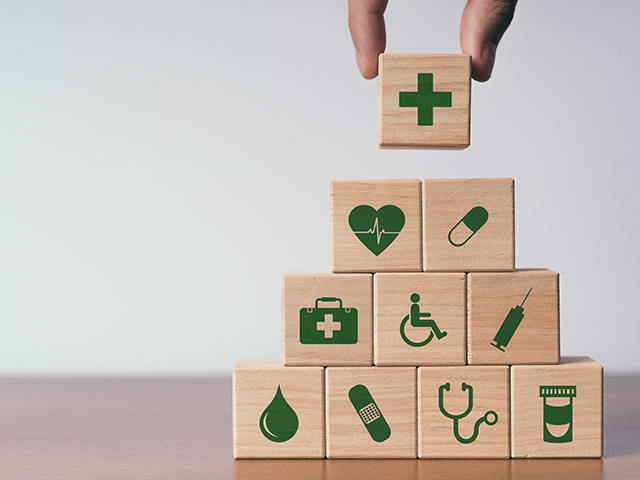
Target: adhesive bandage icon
{"points": [[369, 413]]}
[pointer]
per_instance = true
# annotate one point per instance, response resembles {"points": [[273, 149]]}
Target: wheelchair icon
{"points": [[419, 320]]}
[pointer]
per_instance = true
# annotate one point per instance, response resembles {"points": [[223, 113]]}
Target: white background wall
{"points": [[163, 163]]}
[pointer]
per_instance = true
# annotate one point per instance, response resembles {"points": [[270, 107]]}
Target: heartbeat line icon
{"points": [[376, 229]]}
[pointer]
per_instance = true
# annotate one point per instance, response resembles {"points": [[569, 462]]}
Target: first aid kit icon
{"points": [[328, 324]]}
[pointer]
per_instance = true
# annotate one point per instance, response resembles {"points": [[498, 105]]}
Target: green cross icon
{"points": [[425, 99]]}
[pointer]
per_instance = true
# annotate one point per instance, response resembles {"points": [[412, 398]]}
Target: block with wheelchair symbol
{"points": [[468, 225], [278, 412], [513, 317], [371, 412], [420, 319], [424, 100], [327, 318], [556, 410], [463, 412], [375, 226]]}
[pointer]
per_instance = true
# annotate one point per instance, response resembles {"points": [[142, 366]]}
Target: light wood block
{"points": [[489, 393], [315, 330], [385, 397], [440, 84], [397, 341], [453, 209], [556, 410], [376, 226], [274, 434], [494, 309]]}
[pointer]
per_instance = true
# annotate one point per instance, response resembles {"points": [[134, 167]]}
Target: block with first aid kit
{"points": [[423, 341]]}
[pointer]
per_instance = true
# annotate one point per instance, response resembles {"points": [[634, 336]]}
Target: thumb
{"points": [[483, 24]]}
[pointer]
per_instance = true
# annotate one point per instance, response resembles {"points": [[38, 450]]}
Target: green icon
{"points": [[473, 221], [416, 317], [425, 99], [369, 413], [376, 229], [334, 325], [558, 414], [509, 326], [279, 422], [457, 418]]}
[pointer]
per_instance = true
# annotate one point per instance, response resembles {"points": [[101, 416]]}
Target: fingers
{"points": [[366, 23], [483, 24]]}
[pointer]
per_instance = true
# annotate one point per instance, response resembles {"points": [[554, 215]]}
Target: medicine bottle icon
{"points": [[558, 412]]}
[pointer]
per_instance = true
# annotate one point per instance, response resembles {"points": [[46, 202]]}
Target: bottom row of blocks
{"points": [[426, 412]]}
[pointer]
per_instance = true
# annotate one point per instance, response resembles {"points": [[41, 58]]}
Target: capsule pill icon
{"points": [[369, 413], [468, 226]]}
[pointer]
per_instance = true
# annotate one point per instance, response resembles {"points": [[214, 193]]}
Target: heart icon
{"points": [[376, 229]]}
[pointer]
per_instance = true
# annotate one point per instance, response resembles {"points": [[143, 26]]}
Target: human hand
{"points": [[482, 26]]}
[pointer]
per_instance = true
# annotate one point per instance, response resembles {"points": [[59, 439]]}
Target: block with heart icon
{"points": [[376, 226], [469, 225]]}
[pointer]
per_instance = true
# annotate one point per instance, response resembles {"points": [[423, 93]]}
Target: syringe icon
{"points": [[510, 325]]}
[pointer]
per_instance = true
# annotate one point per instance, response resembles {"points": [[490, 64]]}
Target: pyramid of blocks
{"points": [[423, 341]]}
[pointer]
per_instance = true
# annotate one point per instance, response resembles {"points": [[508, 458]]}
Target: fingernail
{"points": [[488, 58]]}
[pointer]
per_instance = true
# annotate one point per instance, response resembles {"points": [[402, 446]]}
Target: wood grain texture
{"points": [[348, 254], [491, 296], [446, 202], [490, 393], [398, 126], [300, 290], [255, 383], [394, 392], [443, 295], [527, 409]]}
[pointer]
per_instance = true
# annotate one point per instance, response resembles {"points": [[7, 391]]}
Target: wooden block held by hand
{"points": [[424, 100], [463, 412], [556, 410], [420, 319], [376, 226], [513, 317], [278, 412], [371, 412], [327, 318], [468, 225]]}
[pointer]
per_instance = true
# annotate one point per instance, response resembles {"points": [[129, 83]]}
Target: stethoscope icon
{"points": [[456, 418]]}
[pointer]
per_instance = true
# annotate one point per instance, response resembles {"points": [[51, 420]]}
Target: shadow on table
{"points": [[582, 469]]}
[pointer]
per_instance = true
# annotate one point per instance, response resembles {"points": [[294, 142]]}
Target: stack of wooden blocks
{"points": [[423, 341]]}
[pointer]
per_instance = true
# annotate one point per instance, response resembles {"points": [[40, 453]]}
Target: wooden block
{"points": [[424, 101], [556, 410], [278, 412], [468, 225], [502, 330], [327, 318], [442, 296], [470, 394], [371, 412], [376, 226]]}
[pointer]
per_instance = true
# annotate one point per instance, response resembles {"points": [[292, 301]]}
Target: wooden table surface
{"points": [[180, 428]]}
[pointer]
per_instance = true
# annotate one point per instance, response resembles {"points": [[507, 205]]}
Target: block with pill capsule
{"points": [[278, 411], [376, 226], [371, 412], [513, 317], [468, 225], [556, 410], [327, 318], [424, 100], [463, 412], [420, 318]]}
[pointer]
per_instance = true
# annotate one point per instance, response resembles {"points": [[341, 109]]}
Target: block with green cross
{"points": [[425, 99]]}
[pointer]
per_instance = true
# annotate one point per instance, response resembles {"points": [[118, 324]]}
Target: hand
{"points": [[483, 24]]}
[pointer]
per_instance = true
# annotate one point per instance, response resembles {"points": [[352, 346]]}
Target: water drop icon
{"points": [[279, 422]]}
